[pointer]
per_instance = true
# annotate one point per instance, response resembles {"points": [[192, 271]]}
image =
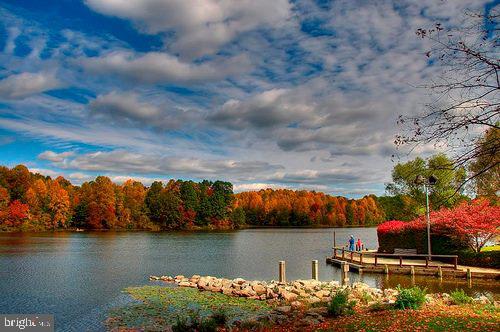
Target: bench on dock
{"points": [[400, 251]]}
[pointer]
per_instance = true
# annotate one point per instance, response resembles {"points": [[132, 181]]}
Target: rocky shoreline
{"points": [[220, 304], [298, 293]]}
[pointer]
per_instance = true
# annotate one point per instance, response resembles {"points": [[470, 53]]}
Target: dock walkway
{"points": [[412, 264]]}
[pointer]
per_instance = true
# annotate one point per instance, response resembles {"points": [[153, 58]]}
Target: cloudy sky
{"points": [[281, 93]]}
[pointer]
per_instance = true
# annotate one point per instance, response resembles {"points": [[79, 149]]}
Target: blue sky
{"points": [[291, 94]]}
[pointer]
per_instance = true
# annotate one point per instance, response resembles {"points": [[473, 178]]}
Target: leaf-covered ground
{"points": [[431, 318], [160, 306]]}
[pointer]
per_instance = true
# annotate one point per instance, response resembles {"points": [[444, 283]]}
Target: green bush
{"points": [[489, 259], [340, 304], [410, 298], [458, 296]]}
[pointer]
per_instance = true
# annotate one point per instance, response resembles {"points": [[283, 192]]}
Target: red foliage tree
{"points": [[18, 212], [474, 223]]}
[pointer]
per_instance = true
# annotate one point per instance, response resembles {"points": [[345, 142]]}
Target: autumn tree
{"points": [[474, 223], [101, 204], [466, 92], [59, 205]]}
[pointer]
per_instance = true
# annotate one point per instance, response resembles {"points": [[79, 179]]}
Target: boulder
{"points": [[184, 284], [259, 289], [322, 293], [283, 309], [296, 304], [289, 296], [239, 281]]}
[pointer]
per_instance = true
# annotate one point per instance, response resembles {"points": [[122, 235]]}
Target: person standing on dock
{"points": [[351, 243], [359, 245]]}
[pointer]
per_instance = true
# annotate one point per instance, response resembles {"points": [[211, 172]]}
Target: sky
{"points": [[278, 94]]}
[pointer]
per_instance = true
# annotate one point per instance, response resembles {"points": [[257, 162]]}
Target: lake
{"points": [[79, 276]]}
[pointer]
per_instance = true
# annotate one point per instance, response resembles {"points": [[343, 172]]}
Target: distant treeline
{"points": [[30, 201]]}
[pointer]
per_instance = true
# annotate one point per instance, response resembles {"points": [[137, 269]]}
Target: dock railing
{"points": [[349, 255]]}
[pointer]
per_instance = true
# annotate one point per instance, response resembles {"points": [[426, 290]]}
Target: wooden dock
{"points": [[443, 266]]}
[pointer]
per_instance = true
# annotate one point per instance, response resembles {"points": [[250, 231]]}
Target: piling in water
{"points": [[282, 273], [314, 270]]}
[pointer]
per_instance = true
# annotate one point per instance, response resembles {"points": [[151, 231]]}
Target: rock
{"points": [[322, 293], [247, 292], [283, 309], [482, 300], [227, 291], [179, 277], [296, 304], [259, 289], [184, 284], [322, 311], [154, 278], [312, 300], [289, 296], [239, 281], [270, 294]]}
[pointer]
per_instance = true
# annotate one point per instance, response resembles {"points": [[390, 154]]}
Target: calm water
{"points": [[79, 276]]}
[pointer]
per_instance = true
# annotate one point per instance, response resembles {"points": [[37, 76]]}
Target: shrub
{"points": [[458, 296], [489, 259], [340, 304], [410, 298]]}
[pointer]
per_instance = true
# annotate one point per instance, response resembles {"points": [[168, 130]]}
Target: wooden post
{"points": [[343, 253], [455, 262], [345, 272], [386, 269], [282, 272], [400, 261], [351, 255], [426, 262], [335, 252], [469, 275], [361, 259], [440, 272], [314, 270], [412, 270], [334, 239], [375, 260]]}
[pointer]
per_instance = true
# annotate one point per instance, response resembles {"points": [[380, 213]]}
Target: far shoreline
{"points": [[187, 230]]}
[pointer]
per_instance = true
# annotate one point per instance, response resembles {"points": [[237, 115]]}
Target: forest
{"points": [[34, 202]]}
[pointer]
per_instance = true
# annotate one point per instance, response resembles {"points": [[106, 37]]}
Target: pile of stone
{"points": [[296, 293]]}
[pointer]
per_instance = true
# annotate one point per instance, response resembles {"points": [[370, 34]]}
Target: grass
{"points": [[159, 307], [492, 248]]}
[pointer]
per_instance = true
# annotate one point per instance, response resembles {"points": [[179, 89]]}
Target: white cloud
{"points": [[199, 26], [54, 156], [157, 67], [22, 85], [125, 108]]}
